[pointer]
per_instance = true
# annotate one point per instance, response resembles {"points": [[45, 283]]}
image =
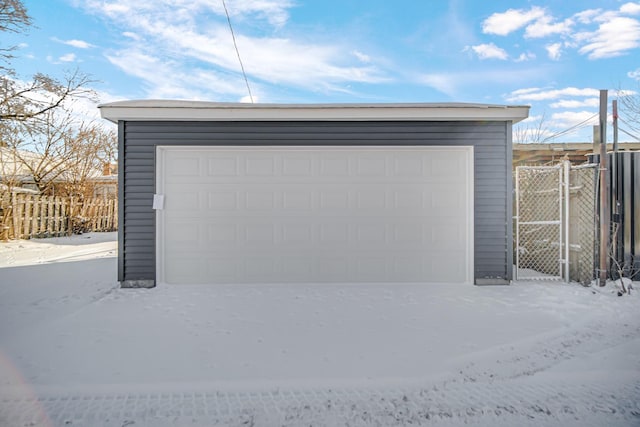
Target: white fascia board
{"points": [[165, 110]]}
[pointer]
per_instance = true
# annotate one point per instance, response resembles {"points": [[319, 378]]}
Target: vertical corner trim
{"points": [[121, 219]]}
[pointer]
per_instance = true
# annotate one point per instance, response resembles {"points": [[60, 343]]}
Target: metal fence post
{"points": [[566, 166]]}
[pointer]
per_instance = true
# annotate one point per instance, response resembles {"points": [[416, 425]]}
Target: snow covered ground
{"points": [[75, 350]]}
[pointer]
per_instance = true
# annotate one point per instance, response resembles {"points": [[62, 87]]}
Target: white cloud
{"points": [[587, 16], [442, 82], [131, 35], [613, 38], [113, 9], [275, 12], [544, 27], [525, 91], [554, 51], [528, 56], [165, 79], [532, 119], [80, 44], [589, 102], [630, 8], [454, 83], [572, 118], [536, 94], [597, 33], [194, 33], [69, 57], [361, 56], [489, 51], [634, 74], [624, 92], [511, 20]]}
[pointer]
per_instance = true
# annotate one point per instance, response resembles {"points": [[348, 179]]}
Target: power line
{"points": [[574, 127], [633, 127], [235, 45], [630, 134]]}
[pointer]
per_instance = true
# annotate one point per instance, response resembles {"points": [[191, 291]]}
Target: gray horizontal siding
{"points": [[492, 161]]}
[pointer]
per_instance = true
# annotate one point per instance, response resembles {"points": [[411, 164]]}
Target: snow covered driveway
{"points": [[77, 350]]}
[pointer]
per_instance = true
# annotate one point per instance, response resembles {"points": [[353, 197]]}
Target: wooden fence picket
{"points": [[25, 216], [37, 208]]}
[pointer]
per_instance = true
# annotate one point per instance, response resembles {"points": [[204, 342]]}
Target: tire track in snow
{"points": [[522, 402], [515, 361]]}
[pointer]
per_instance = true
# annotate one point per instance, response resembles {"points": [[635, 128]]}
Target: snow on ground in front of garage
{"points": [[528, 354], [16, 253]]}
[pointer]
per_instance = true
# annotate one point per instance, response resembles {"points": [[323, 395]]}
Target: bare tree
{"points": [[630, 112], [533, 132], [13, 19], [39, 148], [91, 148], [60, 155], [26, 99], [624, 269]]}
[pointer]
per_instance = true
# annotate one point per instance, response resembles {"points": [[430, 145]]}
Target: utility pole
{"points": [[614, 162], [614, 180], [604, 192]]}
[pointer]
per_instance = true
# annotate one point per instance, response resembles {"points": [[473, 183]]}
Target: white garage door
{"points": [[315, 214]]}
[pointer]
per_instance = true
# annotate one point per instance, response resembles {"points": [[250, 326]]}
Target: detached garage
{"points": [[244, 193]]}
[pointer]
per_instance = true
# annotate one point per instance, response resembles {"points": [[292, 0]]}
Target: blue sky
{"points": [[551, 54]]}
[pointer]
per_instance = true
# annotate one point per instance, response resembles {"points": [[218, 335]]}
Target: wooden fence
{"points": [[25, 216]]}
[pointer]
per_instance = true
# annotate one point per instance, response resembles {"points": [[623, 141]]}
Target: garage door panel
{"points": [[330, 214], [260, 165], [293, 268], [447, 237], [333, 233], [228, 200], [323, 167], [447, 164], [298, 200], [333, 166], [327, 199], [447, 202], [225, 235], [443, 270], [223, 166], [260, 200], [298, 165], [183, 165], [412, 167], [182, 199], [263, 235], [411, 234], [409, 268], [183, 231], [298, 234]]}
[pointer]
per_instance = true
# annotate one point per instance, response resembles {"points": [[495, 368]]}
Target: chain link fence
{"points": [[583, 246], [555, 222], [539, 215]]}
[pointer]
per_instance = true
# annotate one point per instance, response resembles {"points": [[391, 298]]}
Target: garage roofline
{"points": [[176, 110]]}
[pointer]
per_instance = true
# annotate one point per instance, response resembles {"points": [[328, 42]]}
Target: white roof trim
{"points": [[168, 110]]}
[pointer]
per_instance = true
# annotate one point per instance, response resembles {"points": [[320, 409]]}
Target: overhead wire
{"points": [[630, 134], [235, 45], [632, 126], [574, 127]]}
